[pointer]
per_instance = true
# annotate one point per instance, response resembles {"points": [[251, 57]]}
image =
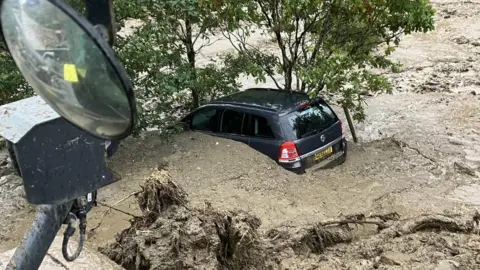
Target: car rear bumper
{"points": [[307, 162], [323, 164]]}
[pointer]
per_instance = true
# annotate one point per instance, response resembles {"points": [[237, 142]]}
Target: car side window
{"points": [[205, 119], [258, 126], [232, 122]]}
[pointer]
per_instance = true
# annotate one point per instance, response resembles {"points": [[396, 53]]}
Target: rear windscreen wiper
{"points": [[312, 132]]}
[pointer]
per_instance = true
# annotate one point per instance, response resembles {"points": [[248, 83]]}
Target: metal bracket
{"points": [[100, 12]]}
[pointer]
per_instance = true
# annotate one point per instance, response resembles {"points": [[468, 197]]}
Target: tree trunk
{"points": [[350, 124], [191, 61], [288, 74]]}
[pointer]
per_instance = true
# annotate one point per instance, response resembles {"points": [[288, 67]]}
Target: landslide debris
{"points": [[173, 235]]}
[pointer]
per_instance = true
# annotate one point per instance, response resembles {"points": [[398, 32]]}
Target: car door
{"points": [[231, 125], [205, 119], [262, 135]]}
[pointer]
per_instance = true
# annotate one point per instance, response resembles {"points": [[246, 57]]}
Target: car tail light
{"points": [[288, 152], [341, 125], [304, 105]]}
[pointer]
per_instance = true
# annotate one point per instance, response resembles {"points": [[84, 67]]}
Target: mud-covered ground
{"points": [[174, 234], [419, 153]]}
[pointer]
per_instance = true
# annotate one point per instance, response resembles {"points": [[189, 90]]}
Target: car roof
{"points": [[264, 98]]}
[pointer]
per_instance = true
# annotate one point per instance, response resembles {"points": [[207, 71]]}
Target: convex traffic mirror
{"points": [[70, 65]]}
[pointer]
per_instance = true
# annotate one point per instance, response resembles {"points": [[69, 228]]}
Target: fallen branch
{"points": [[117, 209], [438, 222], [318, 238], [380, 224], [110, 209]]}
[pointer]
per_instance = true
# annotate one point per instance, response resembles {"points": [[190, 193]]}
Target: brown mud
{"points": [[171, 234]]}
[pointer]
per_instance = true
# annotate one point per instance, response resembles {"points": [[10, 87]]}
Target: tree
{"points": [[13, 86], [161, 57], [333, 47]]}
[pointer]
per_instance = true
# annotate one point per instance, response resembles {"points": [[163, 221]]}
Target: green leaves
{"points": [[13, 86], [338, 44], [161, 58]]}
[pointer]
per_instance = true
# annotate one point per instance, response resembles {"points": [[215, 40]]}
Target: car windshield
{"points": [[312, 120]]}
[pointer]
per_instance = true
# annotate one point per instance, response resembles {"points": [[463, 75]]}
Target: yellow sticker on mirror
{"points": [[70, 73]]}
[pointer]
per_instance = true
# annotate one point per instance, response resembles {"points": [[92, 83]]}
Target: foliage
{"points": [[333, 46], [161, 58], [13, 86]]}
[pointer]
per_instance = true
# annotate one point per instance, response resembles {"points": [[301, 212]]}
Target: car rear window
{"points": [[311, 120]]}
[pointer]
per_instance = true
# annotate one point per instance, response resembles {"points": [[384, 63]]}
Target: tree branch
{"points": [[267, 71], [209, 42], [182, 36], [245, 48], [290, 44]]}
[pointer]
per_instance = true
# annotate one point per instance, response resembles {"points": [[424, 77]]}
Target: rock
{"points": [[446, 265], [473, 93]]}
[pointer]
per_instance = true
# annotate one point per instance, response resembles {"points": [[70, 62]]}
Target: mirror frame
{"points": [[109, 55]]}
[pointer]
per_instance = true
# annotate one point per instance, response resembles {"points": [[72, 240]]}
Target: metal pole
{"points": [[38, 240]]}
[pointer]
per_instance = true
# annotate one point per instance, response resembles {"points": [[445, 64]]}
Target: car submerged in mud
{"points": [[300, 133]]}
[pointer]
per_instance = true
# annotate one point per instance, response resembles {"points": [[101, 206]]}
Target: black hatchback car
{"points": [[300, 133]]}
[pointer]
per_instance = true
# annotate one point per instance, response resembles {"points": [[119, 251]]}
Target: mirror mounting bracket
{"points": [[101, 12], [102, 31]]}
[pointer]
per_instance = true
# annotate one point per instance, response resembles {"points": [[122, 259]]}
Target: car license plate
{"points": [[323, 153]]}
